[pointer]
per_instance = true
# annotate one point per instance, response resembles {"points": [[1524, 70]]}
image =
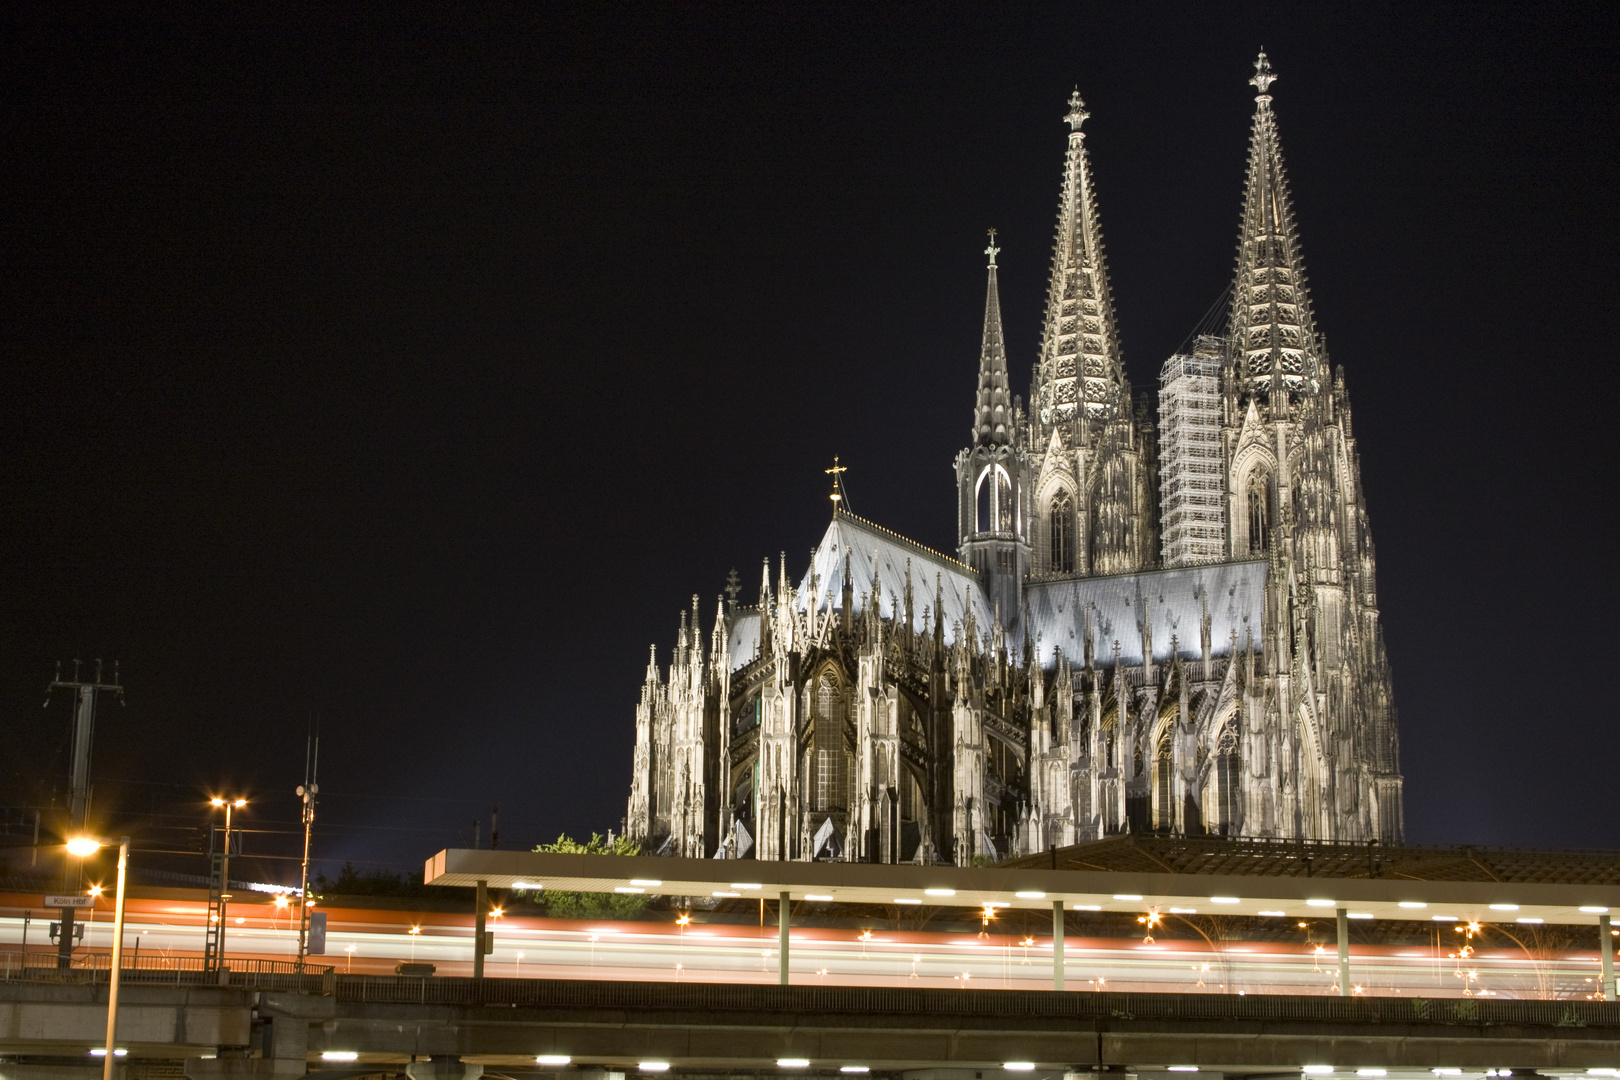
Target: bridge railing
{"points": [[96, 968]]}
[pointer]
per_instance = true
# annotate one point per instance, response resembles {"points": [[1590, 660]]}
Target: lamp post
{"points": [[84, 847], [224, 878]]}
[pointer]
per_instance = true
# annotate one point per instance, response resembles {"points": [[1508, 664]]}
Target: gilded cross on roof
{"points": [[1077, 111], [1263, 75], [836, 472], [991, 251]]}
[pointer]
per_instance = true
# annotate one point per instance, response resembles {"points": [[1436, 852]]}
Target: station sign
{"points": [[70, 901]]}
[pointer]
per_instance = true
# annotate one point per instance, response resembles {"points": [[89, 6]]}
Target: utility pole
{"points": [[84, 723], [307, 791]]}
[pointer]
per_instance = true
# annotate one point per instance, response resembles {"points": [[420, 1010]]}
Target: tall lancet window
{"points": [[830, 779], [1163, 774], [1259, 511], [1062, 532], [1228, 782], [984, 497], [1005, 521]]}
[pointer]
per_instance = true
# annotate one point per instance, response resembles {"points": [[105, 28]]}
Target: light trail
{"points": [[372, 941]]}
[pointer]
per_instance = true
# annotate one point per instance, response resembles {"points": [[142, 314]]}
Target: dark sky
{"points": [[415, 366]]}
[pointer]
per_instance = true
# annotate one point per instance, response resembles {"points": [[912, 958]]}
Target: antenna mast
{"points": [[307, 791]]}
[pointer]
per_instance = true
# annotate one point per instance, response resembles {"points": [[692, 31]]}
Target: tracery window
{"points": [[1164, 810], [984, 496], [1062, 533], [1260, 506], [829, 760], [1228, 782], [1004, 503]]}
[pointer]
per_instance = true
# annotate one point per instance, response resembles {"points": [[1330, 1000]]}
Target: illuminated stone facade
{"points": [[1068, 675]]}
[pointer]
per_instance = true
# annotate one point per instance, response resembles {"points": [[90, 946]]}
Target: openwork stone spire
{"points": [[1080, 363], [992, 413], [1272, 326]]}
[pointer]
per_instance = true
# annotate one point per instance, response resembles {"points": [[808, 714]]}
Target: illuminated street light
{"points": [[228, 805], [83, 847]]}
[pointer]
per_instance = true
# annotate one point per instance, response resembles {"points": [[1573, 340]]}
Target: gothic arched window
{"points": [[1062, 533], [1163, 763], [1006, 521], [984, 497], [1228, 782], [829, 765], [1259, 511]]}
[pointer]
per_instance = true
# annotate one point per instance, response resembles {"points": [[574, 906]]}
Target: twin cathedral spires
{"points": [[1159, 621]]}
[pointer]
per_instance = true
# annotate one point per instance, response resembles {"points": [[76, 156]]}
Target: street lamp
{"points": [[224, 876], [83, 847]]}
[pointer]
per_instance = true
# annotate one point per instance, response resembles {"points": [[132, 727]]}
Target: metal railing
{"points": [[96, 968]]}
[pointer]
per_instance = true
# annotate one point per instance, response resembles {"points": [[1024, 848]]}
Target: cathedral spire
{"points": [[1272, 327], [992, 413], [1080, 362]]}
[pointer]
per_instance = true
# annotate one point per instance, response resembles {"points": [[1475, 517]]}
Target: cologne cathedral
{"points": [[1156, 622]]}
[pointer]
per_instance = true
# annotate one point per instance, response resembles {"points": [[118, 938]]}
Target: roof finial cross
{"points": [[836, 472], [1077, 111], [1263, 76], [991, 251]]}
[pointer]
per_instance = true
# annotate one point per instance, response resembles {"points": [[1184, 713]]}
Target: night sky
{"points": [[413, 367]]}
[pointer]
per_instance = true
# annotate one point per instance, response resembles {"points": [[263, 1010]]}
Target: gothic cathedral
{"points": [[1153, 628]]}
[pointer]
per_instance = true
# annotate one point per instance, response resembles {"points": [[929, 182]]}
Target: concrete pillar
{"points": [[480, 908], [1606, 951], [1344, 953], [783, 906], [1057, 945]]}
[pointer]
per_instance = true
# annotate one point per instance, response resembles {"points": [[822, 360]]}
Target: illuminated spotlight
{"points": [[1594, 909], [792, 1063], [1088, 907], [1318, 1070], [907, 900], [817, 896], [628, 889], [536, 885], [1446, 1072], [1183, 911], [1019, 1066], [1126, 896], [721, 892], [754, 885], [1504, 907], [1414, 904], [1032, 894], [1443, 918], [1183, 1068], [339, 1055], [1224, 900], [1274, 914], [653, 1066], [854, 1069], [1372, 1072], [939, 892], [553, 1059], [101, 1051], [1321, 903], [1359, 915], [1530, 921], [94, 890], [646, 883], [996, 903], [83, 846]]}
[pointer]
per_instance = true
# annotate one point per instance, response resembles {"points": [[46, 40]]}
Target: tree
{"points": [[581, 905]]}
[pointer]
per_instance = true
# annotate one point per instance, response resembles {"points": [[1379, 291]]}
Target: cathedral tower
{"points": [[992, 474]]}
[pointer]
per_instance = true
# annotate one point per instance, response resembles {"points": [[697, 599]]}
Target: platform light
{"points": [[939, 892], [1530, 921], [1358, 915], [1225, 900], [854, 1069], [1183, 911], [1504, 907], [792, 1063], [907, 900], [653, 1066], [553, 1059], [1033, 894], [101, 1052], [723, 893], [537, 886], [1321, 903], [995, 904], [1372, 1072], [1595, 909], [1275, 914], [746, 886], [1019, 1066], [1126, 896], [628, 889], [645, 883], [1443, 918], [339, 1055], [1446, 1072], [1413, 904], [1088, 907], [1183, 1068], [83, 846], [1318, 1070], [823, 897]]}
